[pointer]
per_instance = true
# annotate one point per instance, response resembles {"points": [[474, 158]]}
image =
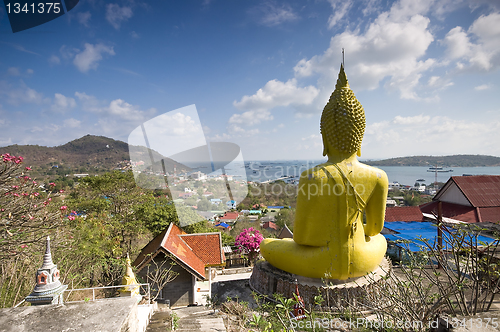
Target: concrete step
{"points": [[199, 319]]}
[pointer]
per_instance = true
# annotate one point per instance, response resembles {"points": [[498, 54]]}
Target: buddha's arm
{"points": [[375, 207]]}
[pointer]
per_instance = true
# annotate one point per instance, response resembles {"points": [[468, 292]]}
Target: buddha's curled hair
{"points": [[343, 119]]}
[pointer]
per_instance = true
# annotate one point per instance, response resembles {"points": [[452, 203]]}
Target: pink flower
{"points": [[52, 184], [64, 207], [71, 218], [28, 168], [24, 246], [15, 187], [50, 198], [61, 191], [36, 194], [16, 194]]}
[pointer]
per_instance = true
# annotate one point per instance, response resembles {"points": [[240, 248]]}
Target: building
{"points": [[229, 217], [194, 256], [285, 233], [270, 226], [403, 213], [199, 176], [471, 199]]}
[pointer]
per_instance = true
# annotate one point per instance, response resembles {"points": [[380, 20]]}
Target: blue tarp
{"points": [[413, 231]]}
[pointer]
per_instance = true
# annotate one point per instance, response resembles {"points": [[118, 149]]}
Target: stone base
{"points": [[268, 280]]}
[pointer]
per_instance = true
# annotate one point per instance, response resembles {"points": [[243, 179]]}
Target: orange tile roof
{"points": [[207, 246], [403, 213], [174, 244], [230, 215], [194, 251]]}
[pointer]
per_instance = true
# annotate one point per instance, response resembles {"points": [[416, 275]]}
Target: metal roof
{"points": [[480, 190]]}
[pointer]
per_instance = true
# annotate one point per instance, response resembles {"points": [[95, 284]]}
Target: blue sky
{"points": [[259, 73]]}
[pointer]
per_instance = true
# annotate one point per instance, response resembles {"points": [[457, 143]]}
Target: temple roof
{"points": [[194, 251]]}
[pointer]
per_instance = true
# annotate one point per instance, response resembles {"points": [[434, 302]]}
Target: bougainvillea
{"points": [[248, 242]]}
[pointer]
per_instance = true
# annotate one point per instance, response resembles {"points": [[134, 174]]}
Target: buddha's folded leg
{"points": [[368, 255], [287, 255]]}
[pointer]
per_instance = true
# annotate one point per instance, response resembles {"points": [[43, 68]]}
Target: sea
{"points": [[262, 171]]}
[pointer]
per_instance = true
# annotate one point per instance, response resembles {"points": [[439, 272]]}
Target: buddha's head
{"points": [[343, 120]]}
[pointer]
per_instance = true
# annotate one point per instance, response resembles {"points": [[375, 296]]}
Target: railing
{"points": [[128, 287]]}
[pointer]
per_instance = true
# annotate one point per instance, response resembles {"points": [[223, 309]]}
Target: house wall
{"points": [[454, 195], [179, 291]]}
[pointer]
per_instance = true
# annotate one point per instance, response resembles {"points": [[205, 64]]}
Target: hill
{"points": [[88, 154], [461, 160]]}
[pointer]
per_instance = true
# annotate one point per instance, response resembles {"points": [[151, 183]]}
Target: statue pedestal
{"points": [[268, 280]]}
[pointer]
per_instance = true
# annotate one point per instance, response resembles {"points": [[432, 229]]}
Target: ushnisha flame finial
{"points": [[343, 119]]}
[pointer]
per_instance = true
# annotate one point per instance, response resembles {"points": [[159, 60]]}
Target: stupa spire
{"points": [[47, 257]]}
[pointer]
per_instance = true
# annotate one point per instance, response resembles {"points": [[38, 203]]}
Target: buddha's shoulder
{"points": [[316, 171], [373, 171]]}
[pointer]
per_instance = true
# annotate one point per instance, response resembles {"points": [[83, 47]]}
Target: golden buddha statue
{"points": [[330, 239]]}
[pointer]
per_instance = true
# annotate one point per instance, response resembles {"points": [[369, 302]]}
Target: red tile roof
{"points": [[270, 224], [230, 215], [480, 190], [207, 246], [403, 213], [194, 251], [455, 211]]}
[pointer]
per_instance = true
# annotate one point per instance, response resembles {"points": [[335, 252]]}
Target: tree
{"points": [[26, 217], [159, 273], [248, 242]]}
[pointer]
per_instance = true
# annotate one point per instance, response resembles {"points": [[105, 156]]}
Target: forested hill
{"points": [[461, 160], [88, 154]]}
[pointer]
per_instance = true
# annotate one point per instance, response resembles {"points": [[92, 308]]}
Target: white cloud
{"points": [[439, 134], [437, 82], [116, 15], [54, 60], [270, 14], [411, 120], [84, 18], [276, 93], [21, 94], [118, 108], [391, 48], [134, 35], [236, 130], [13, 71], [251, 118], [62, 103], [125, 110], [482, 87], [72, 123], [90, 56], [29, 71], [68, 53], [340, 8], [479, 45]]}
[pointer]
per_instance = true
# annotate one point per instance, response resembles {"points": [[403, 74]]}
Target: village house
{"points": [[471, 199], [195, 256]]}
